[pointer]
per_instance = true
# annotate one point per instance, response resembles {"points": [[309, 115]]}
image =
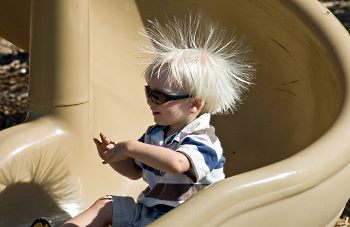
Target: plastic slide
{"points": [[287, 147]]}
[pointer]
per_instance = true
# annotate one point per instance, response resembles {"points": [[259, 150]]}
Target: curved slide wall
{"points": [[287, 147]]}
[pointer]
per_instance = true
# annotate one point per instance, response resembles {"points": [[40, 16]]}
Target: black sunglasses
{"points": [[159, 98]]}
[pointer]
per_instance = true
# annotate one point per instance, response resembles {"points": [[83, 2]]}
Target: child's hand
{"points": [[104, 147], [108, 150]]}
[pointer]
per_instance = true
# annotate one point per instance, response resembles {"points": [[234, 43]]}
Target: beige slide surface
{"points": [[287, 147]]}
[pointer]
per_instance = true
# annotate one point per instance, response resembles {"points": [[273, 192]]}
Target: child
{"points": [[196, 71]]}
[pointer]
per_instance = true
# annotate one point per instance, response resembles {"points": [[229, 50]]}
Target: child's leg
{"points": [[99, 214]]}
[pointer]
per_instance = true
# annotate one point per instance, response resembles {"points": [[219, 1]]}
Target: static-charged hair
{"points": [[198, 57]]}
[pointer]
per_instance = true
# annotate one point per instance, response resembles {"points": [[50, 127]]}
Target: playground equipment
{"points": [[287, 148]]}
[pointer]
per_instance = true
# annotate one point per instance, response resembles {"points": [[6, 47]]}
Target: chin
{"points": [[159, 122]]}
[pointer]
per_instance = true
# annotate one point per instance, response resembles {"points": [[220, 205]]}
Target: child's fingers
{"points": [[110, 146], [102, 152], [104, 139], [97, 142]]}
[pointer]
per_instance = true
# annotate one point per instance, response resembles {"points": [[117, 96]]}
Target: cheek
{"points": [[183, 107], [175, 109], [168, 110]]}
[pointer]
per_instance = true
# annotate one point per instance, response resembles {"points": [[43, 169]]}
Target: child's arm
{"points": [[125, 166], [161, 158]]}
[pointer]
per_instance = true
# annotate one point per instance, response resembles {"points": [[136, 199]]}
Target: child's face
{"points": [[173, 113]]}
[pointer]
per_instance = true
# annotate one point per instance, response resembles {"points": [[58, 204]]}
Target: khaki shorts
{"points": [[126, 212]]}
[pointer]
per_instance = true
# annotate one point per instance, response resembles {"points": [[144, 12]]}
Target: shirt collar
{"points": [[199, 123], [157, 134], [157, 131]]}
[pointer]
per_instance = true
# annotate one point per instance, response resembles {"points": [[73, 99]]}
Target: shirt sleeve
{"points": [[203, 154]]}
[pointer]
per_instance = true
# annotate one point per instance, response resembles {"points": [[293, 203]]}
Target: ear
{"points": [[197, 105]]}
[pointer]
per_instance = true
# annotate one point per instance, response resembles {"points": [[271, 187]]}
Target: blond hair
{"points": [[202, 59]]}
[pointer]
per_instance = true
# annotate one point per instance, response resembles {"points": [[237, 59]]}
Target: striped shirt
{"points": [[203, 149]]}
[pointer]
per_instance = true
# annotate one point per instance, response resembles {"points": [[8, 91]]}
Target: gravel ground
{"points": [[14, 72]]}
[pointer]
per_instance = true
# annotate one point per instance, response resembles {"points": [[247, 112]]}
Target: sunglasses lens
{"points": [[156, 97]]}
